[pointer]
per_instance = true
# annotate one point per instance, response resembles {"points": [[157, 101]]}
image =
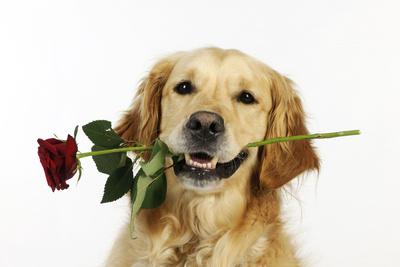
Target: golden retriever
{"points": [[223, 201]]}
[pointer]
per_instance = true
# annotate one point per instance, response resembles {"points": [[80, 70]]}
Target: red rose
{"points": [[59, 160]]}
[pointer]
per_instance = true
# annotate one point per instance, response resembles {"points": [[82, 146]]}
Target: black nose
{"points": [[205, 124]]}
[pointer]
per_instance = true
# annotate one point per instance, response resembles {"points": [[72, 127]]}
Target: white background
{"points": [[64, 63]]}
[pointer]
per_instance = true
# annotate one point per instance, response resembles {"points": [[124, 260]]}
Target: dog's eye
{"points": [[184, 88], [246, 98]]}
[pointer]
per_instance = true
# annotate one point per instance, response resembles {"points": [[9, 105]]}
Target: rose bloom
{"points": [[59, 161]]}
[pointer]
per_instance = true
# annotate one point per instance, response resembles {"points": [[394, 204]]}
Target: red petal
{"points": [[49, 177], [61, 148], [71, 161], [55, 174], [58, 159], [72, 147], [47, 145], [45, 161], [54, 141]]}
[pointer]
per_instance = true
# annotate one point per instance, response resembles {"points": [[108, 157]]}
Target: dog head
{"points": [[208, 104]]}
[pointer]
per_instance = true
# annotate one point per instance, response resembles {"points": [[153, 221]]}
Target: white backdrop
{"points": [[64, 63]]}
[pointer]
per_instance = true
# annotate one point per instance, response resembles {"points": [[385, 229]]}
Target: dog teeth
{"points": [[213, 163], [187, 157], [209, 165]]}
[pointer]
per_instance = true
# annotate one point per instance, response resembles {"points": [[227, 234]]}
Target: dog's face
{"points": [[208, 104], [212, 106]]}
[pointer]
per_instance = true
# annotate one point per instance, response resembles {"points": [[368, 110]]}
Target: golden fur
{"points": [[238, 223]]}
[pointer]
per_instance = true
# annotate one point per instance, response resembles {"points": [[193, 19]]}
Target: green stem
{"points": [[254, 144], [303, 137], [113, 150]]}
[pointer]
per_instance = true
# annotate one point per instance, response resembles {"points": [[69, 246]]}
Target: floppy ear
{"points": [[140, 123], [281, 162]]}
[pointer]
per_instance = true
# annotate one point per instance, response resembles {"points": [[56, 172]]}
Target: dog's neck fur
{"points": [[206, 215], [195, 229]]}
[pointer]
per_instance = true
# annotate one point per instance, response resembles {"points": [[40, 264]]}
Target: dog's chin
{"points": [[203, 173], [202, 187]]}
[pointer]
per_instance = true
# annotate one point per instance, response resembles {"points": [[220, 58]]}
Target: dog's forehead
{"points": [[217, 65]]}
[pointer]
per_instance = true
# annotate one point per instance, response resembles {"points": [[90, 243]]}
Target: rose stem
{"points": [[303, 137], [113, 150], [254, 144]]}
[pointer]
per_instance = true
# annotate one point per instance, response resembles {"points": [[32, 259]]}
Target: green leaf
{"points": [[101, 134], [79, 174], [79, 168], [150, 185], [122, 160], [154, 165], [76, 131], [157, 159], [138, 195], [108, 163], [159, 146], [118, 183], [134, 186], [156, 192]]}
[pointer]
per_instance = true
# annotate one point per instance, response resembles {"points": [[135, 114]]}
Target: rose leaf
{"points": [[156, 192], [108, 163], [118, 183], [138, 193], [101, 134]]}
